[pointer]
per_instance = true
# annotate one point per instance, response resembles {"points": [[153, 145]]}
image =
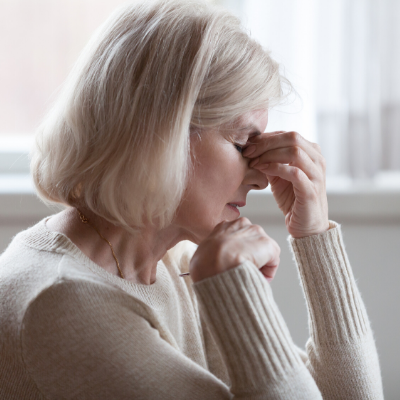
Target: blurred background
{"points": [[343, 59]]}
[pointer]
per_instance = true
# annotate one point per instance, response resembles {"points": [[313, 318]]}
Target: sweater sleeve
{"points": [[252, 337], [342, 356]]}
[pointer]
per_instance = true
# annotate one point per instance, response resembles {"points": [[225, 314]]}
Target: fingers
{"points": [[294, 156], [232, 243], [276, 140], [258, 247], [302, 186], [231, 226], [267, 260], [269, 272], [266, 255]]}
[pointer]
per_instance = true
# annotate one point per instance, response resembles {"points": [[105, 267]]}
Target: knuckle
{"points": [[265, 238], [277, 260], [320, 178], [297, 173], [244, 221], [317, 147], [258, 229], [296, 151], [322, 162], [275, 245], [295, 137]]}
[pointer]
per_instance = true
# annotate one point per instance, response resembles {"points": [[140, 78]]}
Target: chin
{"points": [[198, 234], [231, 215], [199, 231]]}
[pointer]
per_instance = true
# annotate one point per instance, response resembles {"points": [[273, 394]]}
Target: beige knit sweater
{"points": [[71, 330]]}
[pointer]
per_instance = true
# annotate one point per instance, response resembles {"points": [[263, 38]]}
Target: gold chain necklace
{"points": [[85, 220]]}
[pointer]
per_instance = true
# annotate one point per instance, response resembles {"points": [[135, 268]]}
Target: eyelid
{"points": [[239, 147], [243, 146], [253, 136]]}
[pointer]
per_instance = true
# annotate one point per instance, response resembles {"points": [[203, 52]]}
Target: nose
{"points": [[255, 179]]}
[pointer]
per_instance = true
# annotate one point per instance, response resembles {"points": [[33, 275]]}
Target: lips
{"points": [[234, 206], [237, 204]]}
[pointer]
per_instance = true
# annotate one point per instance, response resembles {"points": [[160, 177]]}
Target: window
{"points": [[341, 57], [39, 42], [343, 60]]}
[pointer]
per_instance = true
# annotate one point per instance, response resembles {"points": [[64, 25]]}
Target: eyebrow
{"points": [[256, 131]]}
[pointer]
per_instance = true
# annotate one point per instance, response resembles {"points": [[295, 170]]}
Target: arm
{"points": [[342, 356], [85, 341], [252, 336]]}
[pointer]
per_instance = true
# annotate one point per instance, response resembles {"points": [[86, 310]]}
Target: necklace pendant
{"points": [[84, 219]]}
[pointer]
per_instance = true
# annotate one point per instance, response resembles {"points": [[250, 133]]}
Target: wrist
{"points": [[214, 264], [313, 232]]}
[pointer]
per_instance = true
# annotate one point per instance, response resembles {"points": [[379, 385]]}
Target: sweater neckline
{"points": [[41, 238]]}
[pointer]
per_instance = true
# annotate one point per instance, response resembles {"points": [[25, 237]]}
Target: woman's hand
{"points": [[299, 187], [232, 243]]}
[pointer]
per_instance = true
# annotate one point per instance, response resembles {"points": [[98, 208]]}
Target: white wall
{"points": [[371, 228]]}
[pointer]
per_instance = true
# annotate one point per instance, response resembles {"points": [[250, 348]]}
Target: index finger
{"points": [[275, 140], [232, 225], [254, 142]]}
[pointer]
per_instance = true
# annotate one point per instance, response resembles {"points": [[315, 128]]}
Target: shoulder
{"points": [[79, 300], [77, 332], [73, 314], [35, 265], [39, 265], [24, 272]]}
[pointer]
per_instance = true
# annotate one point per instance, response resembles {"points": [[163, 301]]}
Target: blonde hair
{"points": [[117, 141]]}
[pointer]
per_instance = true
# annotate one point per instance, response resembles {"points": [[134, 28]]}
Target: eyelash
{"points": [[239, 148]]}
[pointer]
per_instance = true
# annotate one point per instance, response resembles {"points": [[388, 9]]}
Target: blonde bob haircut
{"points": [[117, 140]]}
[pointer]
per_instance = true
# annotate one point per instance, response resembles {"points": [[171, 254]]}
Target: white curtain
{"points": [[343, 58]]}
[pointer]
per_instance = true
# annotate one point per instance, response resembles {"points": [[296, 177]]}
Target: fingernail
{"points": [[254, 162], [249, 150]]}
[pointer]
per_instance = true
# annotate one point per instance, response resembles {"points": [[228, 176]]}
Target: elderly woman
{"points": [[153, 146]]}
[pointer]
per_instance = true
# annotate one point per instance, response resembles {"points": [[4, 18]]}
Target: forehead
{"points": [[254, 121]]}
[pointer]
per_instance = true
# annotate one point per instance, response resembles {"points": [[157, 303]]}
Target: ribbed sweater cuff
{"points": [[247, 326], [336, 311]]}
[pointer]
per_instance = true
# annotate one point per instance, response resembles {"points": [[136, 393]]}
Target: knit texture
{"points": [[71, 330], [341, 339]]}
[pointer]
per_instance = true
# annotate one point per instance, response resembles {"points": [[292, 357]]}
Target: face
{"points": [[221, 177]]}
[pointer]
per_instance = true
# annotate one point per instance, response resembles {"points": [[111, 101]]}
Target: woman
{"points": [[154, 143]]}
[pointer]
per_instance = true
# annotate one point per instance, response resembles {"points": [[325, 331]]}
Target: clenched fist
{"points": [[232, 243]]}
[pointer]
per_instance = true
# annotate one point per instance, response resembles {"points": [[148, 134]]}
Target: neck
{"points": [[137, 254]]}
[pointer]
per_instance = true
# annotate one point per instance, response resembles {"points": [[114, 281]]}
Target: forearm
{"points": [[252, 337], [341, 350]]}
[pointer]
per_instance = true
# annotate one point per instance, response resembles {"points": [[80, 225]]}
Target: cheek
{"points": [[224, 171], [218, 170], [216, 177]]}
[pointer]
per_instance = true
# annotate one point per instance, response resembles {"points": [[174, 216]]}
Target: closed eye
{"points": [[239, 148]]}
